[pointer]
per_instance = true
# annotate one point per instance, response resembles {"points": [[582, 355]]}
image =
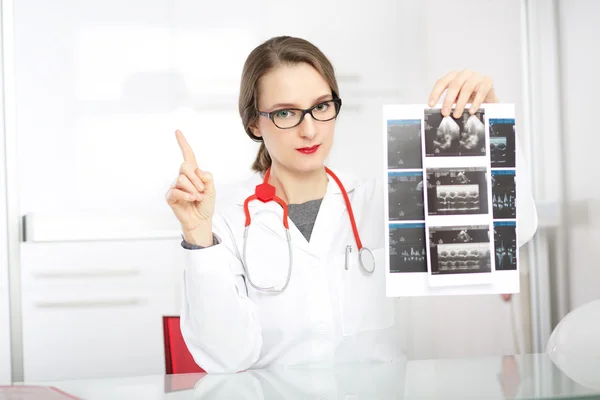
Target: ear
{"points": [[255, 131]]}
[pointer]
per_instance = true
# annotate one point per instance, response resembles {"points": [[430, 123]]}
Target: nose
{"points": [[308, 127]]}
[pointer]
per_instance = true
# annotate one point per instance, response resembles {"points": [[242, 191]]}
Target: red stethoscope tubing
{"points": [[266, 192]]}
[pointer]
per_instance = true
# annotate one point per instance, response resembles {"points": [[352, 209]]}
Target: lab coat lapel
{"points": [[331, 215], [297, 238], [256, 206]]}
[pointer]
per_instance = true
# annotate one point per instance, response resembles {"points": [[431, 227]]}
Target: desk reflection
{"points": [[507, 377], [356, 381], [526, 376]]}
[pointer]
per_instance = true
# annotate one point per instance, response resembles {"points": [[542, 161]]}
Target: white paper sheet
{"points": [[450, 201]]}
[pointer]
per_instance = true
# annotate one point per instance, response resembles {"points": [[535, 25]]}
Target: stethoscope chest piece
{"points": [[366, 260]]}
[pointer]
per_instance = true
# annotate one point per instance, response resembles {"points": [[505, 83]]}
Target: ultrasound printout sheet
{"points": [[450, 201]]}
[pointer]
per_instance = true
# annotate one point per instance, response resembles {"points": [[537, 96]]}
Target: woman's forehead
{"points": [[297, 85]]}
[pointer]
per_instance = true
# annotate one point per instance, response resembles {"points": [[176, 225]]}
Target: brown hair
{"points": [[270, 54]]}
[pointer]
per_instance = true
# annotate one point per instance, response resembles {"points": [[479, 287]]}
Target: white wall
{"points": [[5, 354], [101, 86], [580, 61]]}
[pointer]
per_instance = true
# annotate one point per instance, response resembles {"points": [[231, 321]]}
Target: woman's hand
{"points": [[192, 196], [463, 87]]}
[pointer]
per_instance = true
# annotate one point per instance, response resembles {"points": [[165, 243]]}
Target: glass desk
{"points": [[532, 376]]}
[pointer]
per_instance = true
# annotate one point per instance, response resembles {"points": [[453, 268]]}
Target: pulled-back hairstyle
{"points": [[270, 54]]}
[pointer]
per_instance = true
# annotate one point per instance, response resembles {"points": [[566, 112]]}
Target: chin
{"points": [[308, 165], [309, 168]]}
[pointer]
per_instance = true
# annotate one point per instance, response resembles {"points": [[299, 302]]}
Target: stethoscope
{"points": [[265, 192]]}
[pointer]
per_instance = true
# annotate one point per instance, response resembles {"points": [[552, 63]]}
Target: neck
{"points": [[298, 187]]}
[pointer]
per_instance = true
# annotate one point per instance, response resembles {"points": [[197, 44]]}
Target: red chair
{"points": [[178, 359]]}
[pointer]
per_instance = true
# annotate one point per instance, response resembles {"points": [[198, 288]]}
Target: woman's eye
{"points": [[322, 107], [284, 114]]}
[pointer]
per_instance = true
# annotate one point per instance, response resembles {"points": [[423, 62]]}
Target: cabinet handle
{"points": [[39, 228], [86, 274], [89, 303]]}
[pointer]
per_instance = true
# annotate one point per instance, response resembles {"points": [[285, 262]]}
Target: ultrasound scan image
{"points": [[502, 143], [404, 144], [405, 196], [456, 191], [460, 250], [504, 194], [407, 248], [505, 246], [454, 137]]}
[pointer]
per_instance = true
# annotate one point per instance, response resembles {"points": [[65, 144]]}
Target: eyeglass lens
{"points": [[290, 117]]}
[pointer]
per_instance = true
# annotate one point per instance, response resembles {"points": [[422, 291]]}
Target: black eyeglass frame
{"points": [[271, 115]]}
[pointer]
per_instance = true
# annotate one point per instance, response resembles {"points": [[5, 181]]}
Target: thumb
{"points": [[208, 181]]}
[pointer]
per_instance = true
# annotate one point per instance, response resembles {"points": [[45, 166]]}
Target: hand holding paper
{"points": [[463, 87]]}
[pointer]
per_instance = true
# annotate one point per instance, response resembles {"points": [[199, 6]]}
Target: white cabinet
{"points": [[85, 334], [95, 309], [373, 45]]}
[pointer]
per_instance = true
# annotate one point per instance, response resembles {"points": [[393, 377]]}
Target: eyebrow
{"points": [[291, 105]]}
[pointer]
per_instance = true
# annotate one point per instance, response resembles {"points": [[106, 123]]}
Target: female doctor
{"points": [[274, 272]]}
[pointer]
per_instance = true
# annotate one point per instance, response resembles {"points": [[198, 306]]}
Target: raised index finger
{"points": [[186, 149]]}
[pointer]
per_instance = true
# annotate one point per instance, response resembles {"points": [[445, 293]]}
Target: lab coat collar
{"points": [[348, 181]]}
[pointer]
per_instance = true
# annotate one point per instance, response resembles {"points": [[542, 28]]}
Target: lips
{"points": [[308, 150]]}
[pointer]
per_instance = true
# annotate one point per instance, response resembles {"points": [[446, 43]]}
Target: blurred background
{"points": [[92, 92]]}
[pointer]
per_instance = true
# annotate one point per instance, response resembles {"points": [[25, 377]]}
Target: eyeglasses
{"points": [[287, 118]]}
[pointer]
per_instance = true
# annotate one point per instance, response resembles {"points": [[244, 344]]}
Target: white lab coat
{"points": [[326, 315]]}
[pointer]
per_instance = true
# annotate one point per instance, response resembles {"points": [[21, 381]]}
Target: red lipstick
{"points": [[308, 150]]}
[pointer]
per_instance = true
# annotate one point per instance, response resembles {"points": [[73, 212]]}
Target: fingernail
{"points": [[445, 111]]}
